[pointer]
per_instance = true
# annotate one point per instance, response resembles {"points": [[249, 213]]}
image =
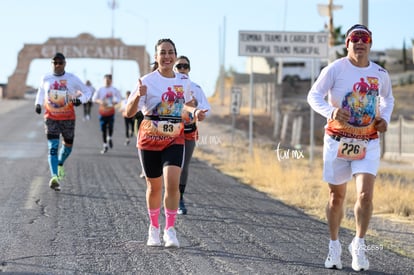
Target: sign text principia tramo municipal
{"points": [[283, 44]]}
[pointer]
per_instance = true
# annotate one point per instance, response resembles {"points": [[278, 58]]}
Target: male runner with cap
{"points": [[358, 107], [58, 93]]}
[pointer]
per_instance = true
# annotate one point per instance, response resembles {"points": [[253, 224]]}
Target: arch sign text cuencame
{"points": [[83, 46]]}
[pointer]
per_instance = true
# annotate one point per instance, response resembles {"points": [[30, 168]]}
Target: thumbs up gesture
{"points": [[142, 89]]}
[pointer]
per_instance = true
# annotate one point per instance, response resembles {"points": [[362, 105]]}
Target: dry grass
{"points": [[297, 183], [394, 193]]}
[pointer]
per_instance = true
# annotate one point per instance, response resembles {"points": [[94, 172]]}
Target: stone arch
{"points": [[84, 45]]}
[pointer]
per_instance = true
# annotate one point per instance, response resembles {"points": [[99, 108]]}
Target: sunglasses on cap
{"points": [[355, 37], [182, 66]]}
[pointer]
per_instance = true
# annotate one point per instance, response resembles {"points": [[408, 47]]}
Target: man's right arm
{"points": [[39, 98]]}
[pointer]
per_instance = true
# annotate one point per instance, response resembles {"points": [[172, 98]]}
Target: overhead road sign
{"points": [[283, 44]]}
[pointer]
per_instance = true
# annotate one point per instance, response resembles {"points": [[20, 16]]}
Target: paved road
{"points": [[98, 223]]}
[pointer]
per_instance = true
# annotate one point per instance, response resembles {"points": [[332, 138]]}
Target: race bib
{"points": [[352, 149], [169, 129]]}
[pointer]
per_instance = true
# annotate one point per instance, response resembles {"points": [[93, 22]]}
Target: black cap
{"points": [[58, 56]]}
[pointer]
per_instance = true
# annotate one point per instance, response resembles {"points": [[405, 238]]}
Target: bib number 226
{"points": [[352, 149]]}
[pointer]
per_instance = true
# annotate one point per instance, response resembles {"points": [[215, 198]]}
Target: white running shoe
{"points": [[153, 236], [170, 238], [127, 141], [359, 260], [334, 257], [54, 183], [105, 149]]}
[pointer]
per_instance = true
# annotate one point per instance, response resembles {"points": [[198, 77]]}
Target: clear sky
{"points": [[195, 27]]}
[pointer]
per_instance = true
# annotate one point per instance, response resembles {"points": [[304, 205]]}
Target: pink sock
{"points": [[170, 216], [154, 214]]}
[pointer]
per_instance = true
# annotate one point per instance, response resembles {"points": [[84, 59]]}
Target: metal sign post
{"points": [[234, 108]]}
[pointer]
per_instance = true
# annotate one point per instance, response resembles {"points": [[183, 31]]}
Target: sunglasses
{"points": [[355, 37], [182, 66], [58, 62]]}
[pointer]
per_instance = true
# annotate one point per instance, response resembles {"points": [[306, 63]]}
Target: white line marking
{"points": [[34, 191]]}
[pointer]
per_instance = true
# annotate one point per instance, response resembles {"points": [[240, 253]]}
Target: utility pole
{"points": [[112, 5], [222, 51], [363, 15], [331, 25], [327, 10]]}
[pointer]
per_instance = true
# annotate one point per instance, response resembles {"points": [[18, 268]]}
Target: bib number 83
{"points": [[168, 128]]}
